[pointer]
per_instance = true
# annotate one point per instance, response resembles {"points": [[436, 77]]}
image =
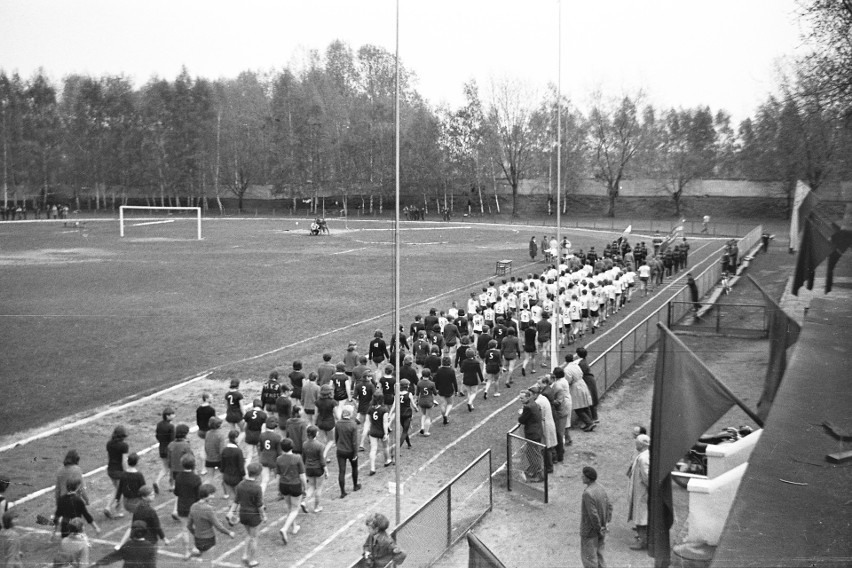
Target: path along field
{"points": [[90, 320]]}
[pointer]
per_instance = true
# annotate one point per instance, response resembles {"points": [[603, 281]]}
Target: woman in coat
{"points": [[581, 398]]}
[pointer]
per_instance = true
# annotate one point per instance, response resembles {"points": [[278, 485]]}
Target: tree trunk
{"points": [[371, 204], [612, 193], [514, 200], [381, 204]]}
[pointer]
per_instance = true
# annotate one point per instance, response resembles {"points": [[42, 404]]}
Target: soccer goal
{"points": [[136, 216]]}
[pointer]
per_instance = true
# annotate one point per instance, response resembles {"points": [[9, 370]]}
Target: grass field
{"points": [[91, 318]]}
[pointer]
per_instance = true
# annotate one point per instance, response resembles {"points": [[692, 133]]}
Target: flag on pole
{"points": [[670, 238], [623, 238], [688, 399]]}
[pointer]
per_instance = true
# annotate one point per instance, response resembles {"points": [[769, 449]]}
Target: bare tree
{"points": [[510, 120], [615, 133], [686, 151]]}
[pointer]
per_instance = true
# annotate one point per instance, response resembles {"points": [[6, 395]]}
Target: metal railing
{"points": [[444, 519], [525, 466], [617, 359]]}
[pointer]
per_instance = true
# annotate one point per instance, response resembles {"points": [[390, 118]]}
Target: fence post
{"points": [[633, 355], [449, 515], [508, 462], [718, 319]]}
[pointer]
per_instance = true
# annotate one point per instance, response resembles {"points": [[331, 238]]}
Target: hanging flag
{"points": [[688, 399], [783, 333], [816, 245], [803, 204]]}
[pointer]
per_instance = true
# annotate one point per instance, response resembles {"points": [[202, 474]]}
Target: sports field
{"points": [[91, 319]]}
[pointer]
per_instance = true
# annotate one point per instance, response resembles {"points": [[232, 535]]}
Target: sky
{"points": [[681, 53]]}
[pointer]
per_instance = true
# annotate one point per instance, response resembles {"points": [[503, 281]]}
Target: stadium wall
{"points": [[638, 197]]}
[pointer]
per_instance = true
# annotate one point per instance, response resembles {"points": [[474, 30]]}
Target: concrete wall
{"points": [[837, 191]]}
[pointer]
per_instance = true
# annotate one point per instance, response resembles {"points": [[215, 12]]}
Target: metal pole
{"points": [[5, 160], [396, 290], [554, 332]]}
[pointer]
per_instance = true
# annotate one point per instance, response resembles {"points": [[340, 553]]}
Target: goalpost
{"points": [[152, 221]]}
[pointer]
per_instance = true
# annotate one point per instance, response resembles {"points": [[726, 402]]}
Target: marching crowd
{"points": [[288, 433]]}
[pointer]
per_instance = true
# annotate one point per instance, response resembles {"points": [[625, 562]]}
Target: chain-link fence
{"points": [[443, 520], [615, 361], [525, 469], [735, 320]]}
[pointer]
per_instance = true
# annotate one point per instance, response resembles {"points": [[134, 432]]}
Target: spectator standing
{"points": [[595, 515], [591, 383], [637, 491], [530, 417]]}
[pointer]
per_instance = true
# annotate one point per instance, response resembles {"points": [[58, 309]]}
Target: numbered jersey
{"points": [[233, 402], [269, 448], [492, 361], [406, 410], [377, 421], [364, 394], [425, 393]]}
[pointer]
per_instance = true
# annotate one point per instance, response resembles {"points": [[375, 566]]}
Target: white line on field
{"points": [[98, 415], [346, 251], [152, 223]]}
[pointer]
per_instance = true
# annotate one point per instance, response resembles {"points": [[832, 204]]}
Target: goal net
{"points": [[160, 222]]}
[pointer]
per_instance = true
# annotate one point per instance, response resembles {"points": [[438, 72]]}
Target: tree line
{"points": [[329, 128]]}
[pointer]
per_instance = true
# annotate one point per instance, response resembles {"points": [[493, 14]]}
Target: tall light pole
{"points": [[554, 332], [396, 288], [5, 159]]}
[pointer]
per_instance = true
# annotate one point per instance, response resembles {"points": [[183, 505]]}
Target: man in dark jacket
{"points": [[595, 514], [530, 417], [346, 439]]}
